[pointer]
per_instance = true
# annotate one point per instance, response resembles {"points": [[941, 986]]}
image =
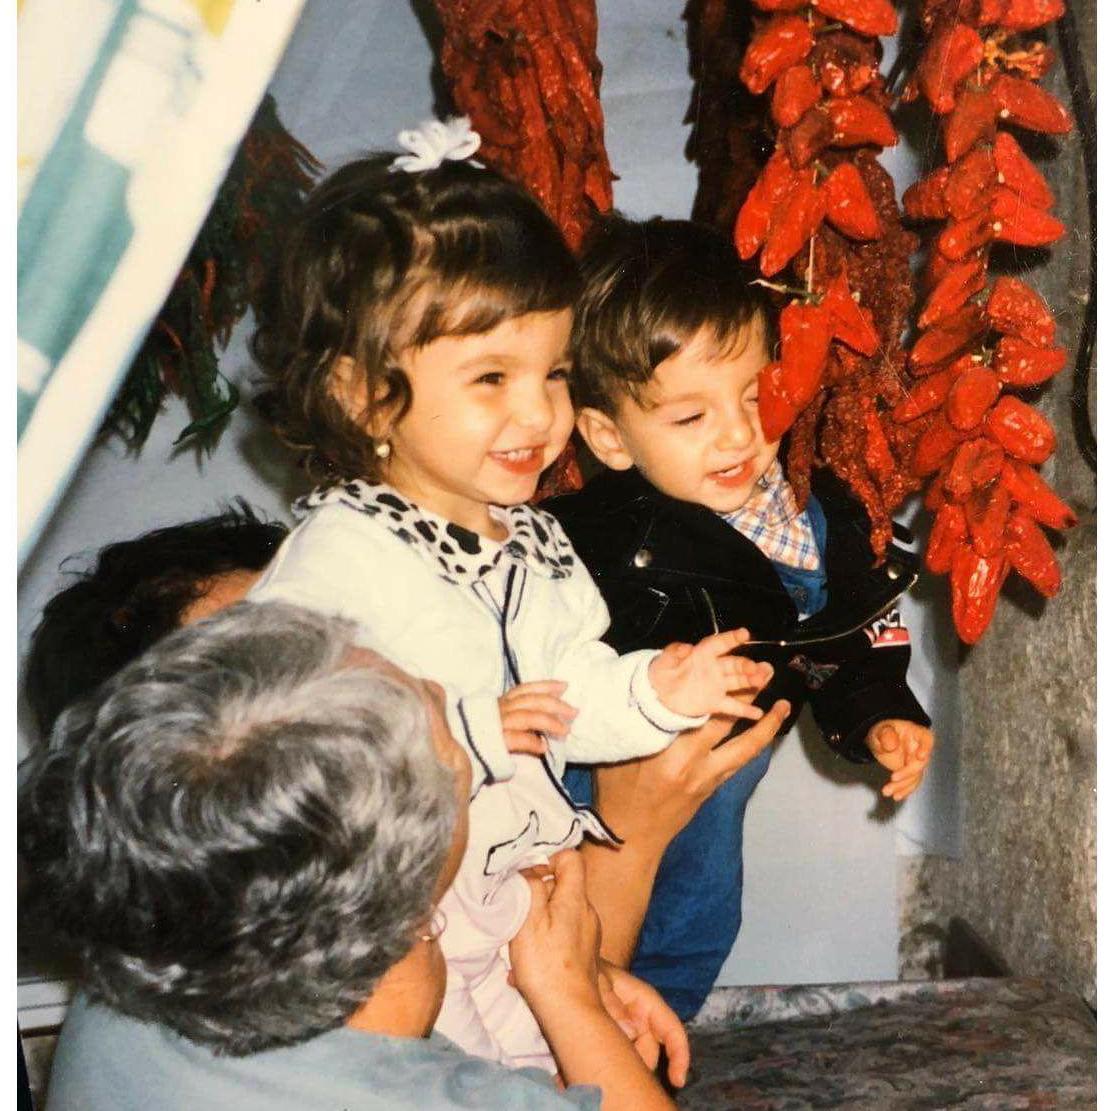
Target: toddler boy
{"points": [[692, 527]]}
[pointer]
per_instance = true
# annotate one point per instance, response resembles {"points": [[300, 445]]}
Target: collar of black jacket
{"points": [[620, 524]]}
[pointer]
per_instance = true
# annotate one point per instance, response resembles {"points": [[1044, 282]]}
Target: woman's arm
{"points": [[555, 967], [648, 1022], [646, 803]]}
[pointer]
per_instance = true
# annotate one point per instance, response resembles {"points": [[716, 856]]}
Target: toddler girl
{"points": [[416, 351]]}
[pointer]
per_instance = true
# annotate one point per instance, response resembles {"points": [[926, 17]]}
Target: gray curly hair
{"points": [[237, 836]]}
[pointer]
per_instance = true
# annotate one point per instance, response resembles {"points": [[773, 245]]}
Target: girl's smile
{"points": [[529, 460]]}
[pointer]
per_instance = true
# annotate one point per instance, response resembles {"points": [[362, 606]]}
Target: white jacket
{"points": [[433, 598], [480, 617]]}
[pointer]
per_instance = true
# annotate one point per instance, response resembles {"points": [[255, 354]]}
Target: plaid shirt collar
{"points": [[772, 520]]}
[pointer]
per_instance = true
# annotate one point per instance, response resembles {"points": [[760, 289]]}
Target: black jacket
{"points": [[674, 571]]}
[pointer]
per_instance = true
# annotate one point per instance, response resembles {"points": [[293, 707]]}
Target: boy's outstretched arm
{"points": [[871, 690], [647, 802]]}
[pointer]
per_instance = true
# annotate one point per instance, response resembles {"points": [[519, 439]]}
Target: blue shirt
{"points": [[106, 1061]]}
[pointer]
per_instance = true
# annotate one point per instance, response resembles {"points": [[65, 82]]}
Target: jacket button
{"points": [[642, 558], [893, 571]]}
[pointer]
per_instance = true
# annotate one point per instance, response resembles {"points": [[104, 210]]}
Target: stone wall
{"points": [[1026, 876]]}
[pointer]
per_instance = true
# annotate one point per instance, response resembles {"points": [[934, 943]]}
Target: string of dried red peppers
{"points": [[826, 209], [528, 75], [981, 445], [839, 380]]}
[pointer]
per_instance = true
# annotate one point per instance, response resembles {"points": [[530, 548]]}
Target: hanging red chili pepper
{"points": [[822, 217], [989, 192]]}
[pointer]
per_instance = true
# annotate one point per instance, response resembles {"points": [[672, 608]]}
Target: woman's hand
{"points": [[649, 1023], [554, 960], [554, 955], [647, 802]]}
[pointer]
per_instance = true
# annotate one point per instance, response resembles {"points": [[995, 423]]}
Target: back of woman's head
{"points": [[380, 261], [237, 835]]}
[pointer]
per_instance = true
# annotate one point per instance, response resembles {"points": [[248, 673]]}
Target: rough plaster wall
{"points": [[1026, 876]]}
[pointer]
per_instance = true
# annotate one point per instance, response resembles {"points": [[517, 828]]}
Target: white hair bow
{"points": [[434, 141]]}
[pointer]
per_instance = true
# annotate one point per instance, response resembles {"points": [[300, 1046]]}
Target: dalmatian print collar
{"points": [[459, 555]]}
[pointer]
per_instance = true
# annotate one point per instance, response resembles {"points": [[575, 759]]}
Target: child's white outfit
{"points": [[480, 617]]}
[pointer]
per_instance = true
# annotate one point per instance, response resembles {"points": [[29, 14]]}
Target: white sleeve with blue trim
{"points": [[620, 715]]}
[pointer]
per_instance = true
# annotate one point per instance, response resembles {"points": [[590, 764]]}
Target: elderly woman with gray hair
{"points": [[243, 835]]}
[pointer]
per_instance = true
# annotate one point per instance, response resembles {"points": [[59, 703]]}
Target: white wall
{"points": [[820, 899]]}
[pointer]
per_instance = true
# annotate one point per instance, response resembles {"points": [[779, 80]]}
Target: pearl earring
{"points": [[436, 925], [382, 449]]}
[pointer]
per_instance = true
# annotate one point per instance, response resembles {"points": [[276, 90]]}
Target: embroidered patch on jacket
{"points": [[460, 556], [816, 675], [888, 632]]}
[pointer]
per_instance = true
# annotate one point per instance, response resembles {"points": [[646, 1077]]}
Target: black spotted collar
{"points": [[459, 555]]}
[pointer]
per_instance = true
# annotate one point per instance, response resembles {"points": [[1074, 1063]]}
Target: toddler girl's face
{"points": [[489, 412], [695, 434]]}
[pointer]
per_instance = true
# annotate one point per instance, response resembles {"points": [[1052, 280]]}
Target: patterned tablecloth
{"points": [[975, 1043]]}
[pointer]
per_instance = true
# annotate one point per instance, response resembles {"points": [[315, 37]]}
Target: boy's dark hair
{"points": [[649, 287], [134, 595], [381, 261]]}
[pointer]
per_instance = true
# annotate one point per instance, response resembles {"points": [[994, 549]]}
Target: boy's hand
{"points": [[648, 1022], [904, 748], [705, 678], [532, 709]]}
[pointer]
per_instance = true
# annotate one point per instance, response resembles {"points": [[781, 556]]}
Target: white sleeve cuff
{"points": [[480, 733], [643, 696]]}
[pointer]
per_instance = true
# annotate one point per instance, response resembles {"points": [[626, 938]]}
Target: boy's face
{"points": [[695, 431]]}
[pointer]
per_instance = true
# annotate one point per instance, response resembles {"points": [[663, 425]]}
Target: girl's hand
{"points": [[648, 1022], [532, 709], [706, 678], [554, 955]]}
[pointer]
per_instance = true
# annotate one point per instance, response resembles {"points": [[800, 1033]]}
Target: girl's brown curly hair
{"points": [[378, 262]]}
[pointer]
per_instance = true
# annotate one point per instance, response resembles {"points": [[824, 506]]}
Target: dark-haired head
{"points": [[651, 287], [382, 261], [136, 592]]}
